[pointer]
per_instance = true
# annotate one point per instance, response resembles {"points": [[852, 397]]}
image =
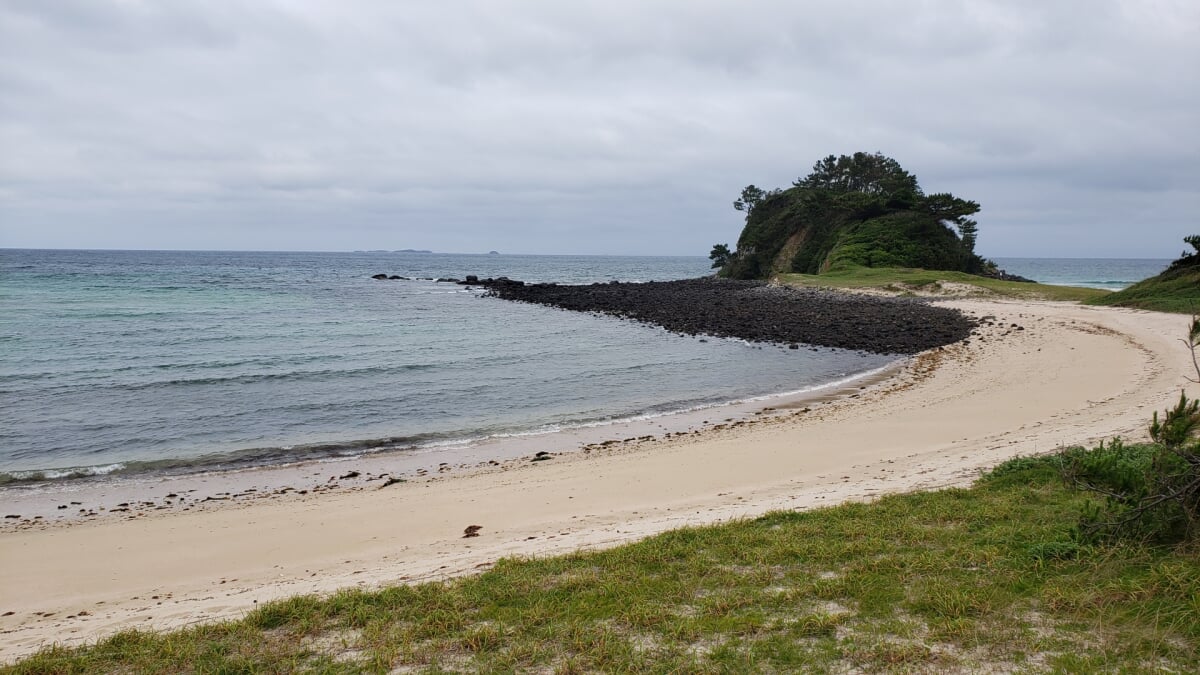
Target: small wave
{"points": [[1110, 285], [1107, 283], [286, 376], [296, 453], [668, 410], [291, 375], [45, 475], [240, 459]]}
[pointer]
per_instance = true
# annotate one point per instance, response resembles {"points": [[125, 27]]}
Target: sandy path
{"points": [[1069, 375]]}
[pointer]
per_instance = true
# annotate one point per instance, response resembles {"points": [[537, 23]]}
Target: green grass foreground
{"points": [[986, 578], [906, 280]]}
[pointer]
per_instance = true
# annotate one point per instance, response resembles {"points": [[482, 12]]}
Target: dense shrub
{"points": [[1151, 492]]}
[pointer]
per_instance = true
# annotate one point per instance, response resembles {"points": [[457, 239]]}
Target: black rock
{"points": [[758, 312], [379, 276], [1005, 276]]}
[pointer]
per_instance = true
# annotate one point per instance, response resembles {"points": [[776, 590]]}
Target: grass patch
{"points": [[986, 578], [901, 280], [1176, 290]]}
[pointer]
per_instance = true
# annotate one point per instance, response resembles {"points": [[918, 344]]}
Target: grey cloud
{"points": [[584, 126]]}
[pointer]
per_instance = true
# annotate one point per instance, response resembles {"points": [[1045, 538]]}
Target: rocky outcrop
{"points": [[757, 311]]}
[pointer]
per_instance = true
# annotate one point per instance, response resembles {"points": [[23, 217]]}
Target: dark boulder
{"points": [[758, 312]]}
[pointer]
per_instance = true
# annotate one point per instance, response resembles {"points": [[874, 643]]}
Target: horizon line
{"points": [[412, 251]]}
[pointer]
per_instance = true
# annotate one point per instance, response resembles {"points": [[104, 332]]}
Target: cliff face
{"points": [[853, 210]]}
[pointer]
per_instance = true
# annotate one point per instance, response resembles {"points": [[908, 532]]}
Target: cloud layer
{"points": [[585, 127]]}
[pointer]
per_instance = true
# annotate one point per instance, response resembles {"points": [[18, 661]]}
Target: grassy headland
{"points": [[986, 578], [861, 209], [1175, 290], [911, 281]]}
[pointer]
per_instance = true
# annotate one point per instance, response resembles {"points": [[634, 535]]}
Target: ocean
{"points": [[143, 362], [1110, 274], [134, 362]]}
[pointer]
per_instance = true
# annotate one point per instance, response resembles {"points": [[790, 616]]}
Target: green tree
{"points": [[950, 209], [751, 196], [945, 206], [869, 173], [968, 230], [720, 255], [1188, 259]]}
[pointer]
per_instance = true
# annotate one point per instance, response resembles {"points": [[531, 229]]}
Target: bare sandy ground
{"points": [[1038, 377]]}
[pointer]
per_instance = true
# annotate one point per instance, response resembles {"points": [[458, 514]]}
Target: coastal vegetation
{"points": [[908, 281], [1176, 289], [1150, 492], [854, 210], [1080, 561], [991, 578]]}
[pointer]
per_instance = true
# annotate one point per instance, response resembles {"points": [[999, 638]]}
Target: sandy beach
{"points": [[1035, 377]]}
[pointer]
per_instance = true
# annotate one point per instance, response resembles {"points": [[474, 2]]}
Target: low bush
{"points": [[1151, 492]]}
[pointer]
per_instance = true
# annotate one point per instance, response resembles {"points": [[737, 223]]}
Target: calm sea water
{"points": [[1108, 273], [122, 362]]}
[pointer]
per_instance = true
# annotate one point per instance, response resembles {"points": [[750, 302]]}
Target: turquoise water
{"points": [[126, 362], [1107, 273]]}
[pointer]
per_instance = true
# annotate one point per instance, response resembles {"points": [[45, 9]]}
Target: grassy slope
{"points": [[1171, 291], [959, 579], [905, 280]]}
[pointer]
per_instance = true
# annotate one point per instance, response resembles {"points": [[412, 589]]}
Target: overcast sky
{"points": [[585, 127]]}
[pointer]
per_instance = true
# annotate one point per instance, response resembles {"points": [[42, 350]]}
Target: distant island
{"points": [[854, 210], [493, 252]]}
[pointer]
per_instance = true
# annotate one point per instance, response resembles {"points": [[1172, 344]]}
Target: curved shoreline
{"points": [[1039, 376], [752, 311], [113, 495]]}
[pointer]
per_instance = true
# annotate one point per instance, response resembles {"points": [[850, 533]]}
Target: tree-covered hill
{"points": [[1176, 289], [863, 209]]}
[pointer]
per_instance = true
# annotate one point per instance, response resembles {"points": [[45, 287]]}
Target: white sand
{"points": [[1074, 375]]}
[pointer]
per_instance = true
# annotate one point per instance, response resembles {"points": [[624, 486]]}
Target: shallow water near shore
{"points": [[36, 504], [130, 363], [135, 363]]}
